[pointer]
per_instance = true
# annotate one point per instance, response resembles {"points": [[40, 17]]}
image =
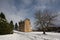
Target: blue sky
{"points": [[17, 10]]}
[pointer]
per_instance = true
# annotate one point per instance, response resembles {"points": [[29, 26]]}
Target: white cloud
{"points": [[11, 12], [27, 2]]}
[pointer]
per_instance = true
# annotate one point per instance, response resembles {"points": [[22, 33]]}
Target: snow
{"points": [[31, 36]]}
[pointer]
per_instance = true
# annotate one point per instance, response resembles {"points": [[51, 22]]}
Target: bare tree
{"points": [[44, 19]]}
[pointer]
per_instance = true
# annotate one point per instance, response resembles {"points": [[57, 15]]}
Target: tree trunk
{"points": [[44, 31], [43, 28]]}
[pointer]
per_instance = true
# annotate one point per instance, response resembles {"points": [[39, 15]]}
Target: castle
{"points": [[25, 26]]}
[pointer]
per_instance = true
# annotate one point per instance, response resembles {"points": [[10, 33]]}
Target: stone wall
{"points": [[25, 26]]}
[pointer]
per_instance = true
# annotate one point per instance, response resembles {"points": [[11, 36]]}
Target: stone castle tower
{"points": [[25, 26]]}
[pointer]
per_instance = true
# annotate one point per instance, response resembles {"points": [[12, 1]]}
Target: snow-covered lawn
{"points": [[31, 36]]}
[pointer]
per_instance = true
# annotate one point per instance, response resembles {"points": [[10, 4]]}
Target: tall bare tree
{"points": [[44, 19]]}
